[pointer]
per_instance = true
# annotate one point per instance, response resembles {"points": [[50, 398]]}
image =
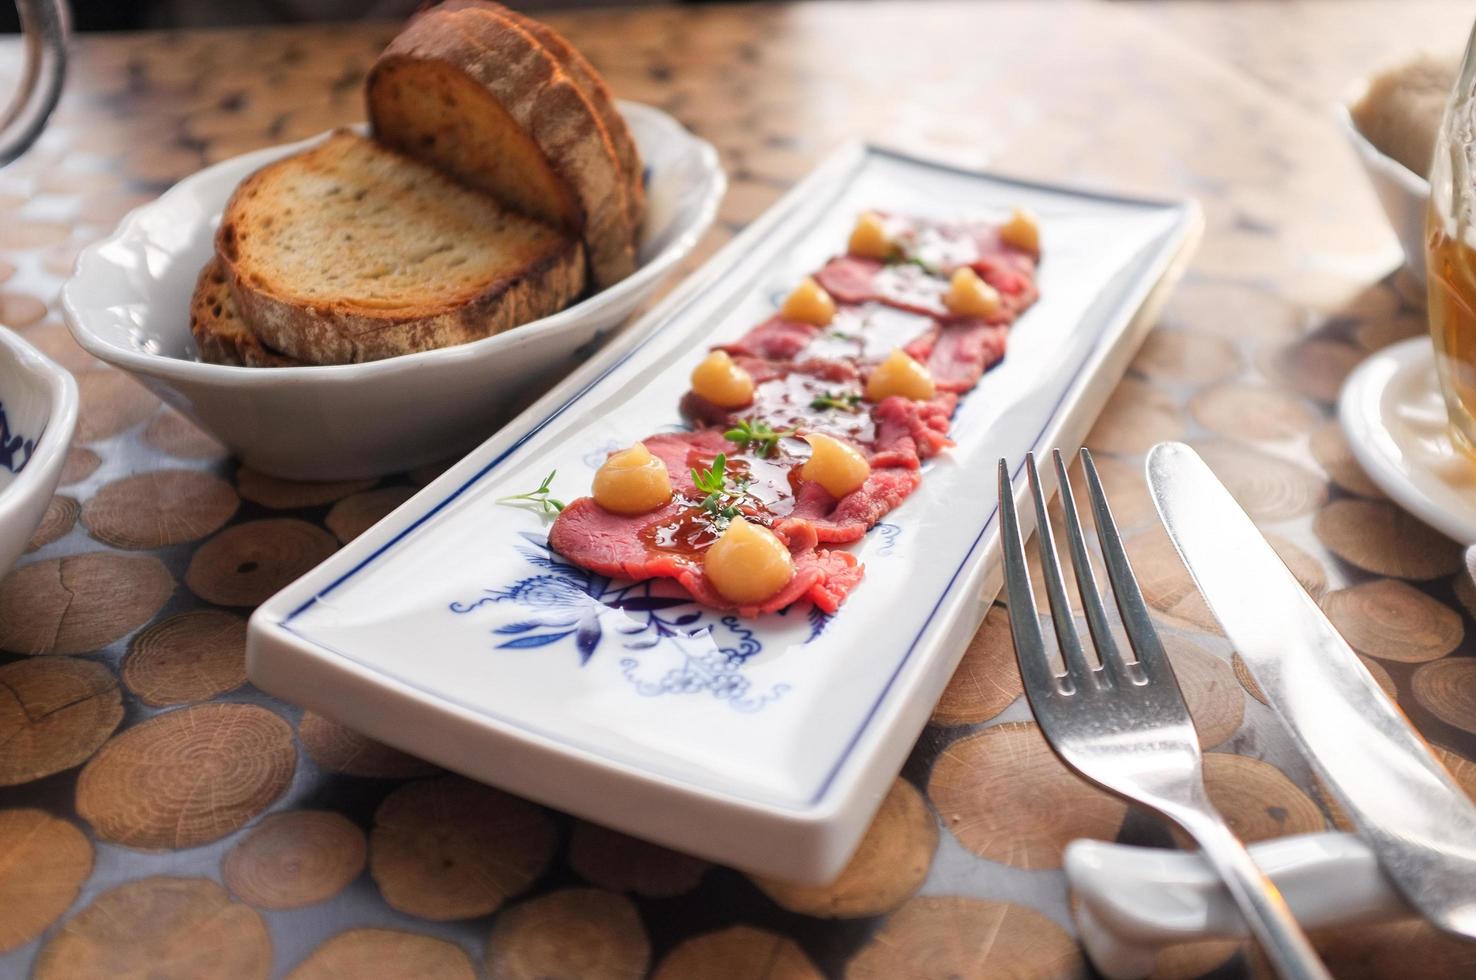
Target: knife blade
{"points": [[1402, 800]]}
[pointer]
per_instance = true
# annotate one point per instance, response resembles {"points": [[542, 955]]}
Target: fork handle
{"points": [[1265, 911]]}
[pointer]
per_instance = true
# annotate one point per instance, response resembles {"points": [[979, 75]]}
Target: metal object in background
{"points": [[1403, 801], [1124, 725], [44, 26]]}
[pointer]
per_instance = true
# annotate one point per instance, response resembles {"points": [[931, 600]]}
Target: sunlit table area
{"points": [[163, 816]]}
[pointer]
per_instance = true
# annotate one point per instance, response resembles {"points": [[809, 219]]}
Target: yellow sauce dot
{"points": [[748, 564], [900, 375], [968, 295], [722, 382], [809, 304], [632, 481], [869, 239], [1022, 231], [836, 465]]}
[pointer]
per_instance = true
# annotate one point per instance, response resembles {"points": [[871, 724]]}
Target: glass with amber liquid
{"points": [[1450, 253]]}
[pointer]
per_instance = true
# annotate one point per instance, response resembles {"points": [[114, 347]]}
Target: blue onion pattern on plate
{"points": [[672, 646], [16, 449]]}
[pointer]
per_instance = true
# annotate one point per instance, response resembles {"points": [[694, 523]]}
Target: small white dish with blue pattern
{"points": [[38, 414]]}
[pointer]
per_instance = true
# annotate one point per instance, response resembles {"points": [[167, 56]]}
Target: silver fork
{"points": [[1123, 724]]}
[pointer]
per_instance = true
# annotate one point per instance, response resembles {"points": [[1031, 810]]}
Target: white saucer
{"points": [[1395, 420]]}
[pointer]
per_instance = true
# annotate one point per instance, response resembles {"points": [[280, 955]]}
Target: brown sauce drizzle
{"points": [[689, 534], [867, 334], [788, 403], [908, 285], [860, 335], [771, 488], [942, 247]]}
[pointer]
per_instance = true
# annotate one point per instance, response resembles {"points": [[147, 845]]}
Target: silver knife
{"points": [[1404, 803]]}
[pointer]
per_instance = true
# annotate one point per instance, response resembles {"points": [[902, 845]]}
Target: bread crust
{"points": [[595, 89], [526, 80], [343, 331], [220, 333], [598, 92], [333, 334]]}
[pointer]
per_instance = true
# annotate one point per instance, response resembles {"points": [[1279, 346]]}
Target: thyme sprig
{"points": [[712, 481], [757, 436], [721, 500], [843, 401], [539, 497], [922, 264]]}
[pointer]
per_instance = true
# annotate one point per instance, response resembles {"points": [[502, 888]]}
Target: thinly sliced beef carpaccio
{"points": [[858, 281], [777, 491], [893, 432], [908, 432], [961, 352], [848, 519], [812, 379], [776, 339], [619, 546]]}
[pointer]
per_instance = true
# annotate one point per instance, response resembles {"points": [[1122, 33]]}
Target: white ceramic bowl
{"points": [[128, 304], [38, 413], [1404, 194]]}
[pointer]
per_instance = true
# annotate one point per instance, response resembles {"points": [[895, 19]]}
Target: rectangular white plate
{"points": [[766, 744]]}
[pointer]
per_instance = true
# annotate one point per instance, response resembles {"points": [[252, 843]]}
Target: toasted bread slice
{"points": [[350, 251], [476, 95], [220, 333], [596, 91], [593, 85]]}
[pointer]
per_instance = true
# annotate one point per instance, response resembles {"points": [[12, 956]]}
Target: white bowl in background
{"points": [[38, 413], [1404, 194], [128, 304]]}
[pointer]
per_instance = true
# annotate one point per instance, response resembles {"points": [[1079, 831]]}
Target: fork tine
{"points": [[1142, 635], [1086, 580], [1071, 653], [1030, 652]]}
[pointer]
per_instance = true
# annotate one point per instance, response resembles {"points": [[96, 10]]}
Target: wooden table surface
{"points": [[160, 817]]}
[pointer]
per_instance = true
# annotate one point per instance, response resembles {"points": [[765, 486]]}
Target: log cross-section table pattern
{"points": [[160, 817]]}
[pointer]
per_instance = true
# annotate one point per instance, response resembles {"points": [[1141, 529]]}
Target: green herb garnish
{"points": [[758, 437], [720, 501], [927, 267], [547, 504], [714, 479], [844, 401]]}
